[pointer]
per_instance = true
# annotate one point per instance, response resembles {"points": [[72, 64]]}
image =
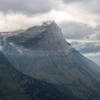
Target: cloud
{"points": [[76, 30], [93, 6], [74, 1], [26, 6], [81, 12], [90, 48], [17, 14], [16, 21], [75, 41], [89, 9], [94, 36], [94, 56], [89, 5], [86, 46]]}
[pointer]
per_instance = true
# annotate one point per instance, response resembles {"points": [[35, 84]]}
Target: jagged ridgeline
{"points": [[41, 52]]}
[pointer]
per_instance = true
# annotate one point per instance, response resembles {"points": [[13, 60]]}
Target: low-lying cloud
{"points": [[86, 46]]}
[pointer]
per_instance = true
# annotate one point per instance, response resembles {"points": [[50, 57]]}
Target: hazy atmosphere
{"points": [[49, 49], [79, 20]]}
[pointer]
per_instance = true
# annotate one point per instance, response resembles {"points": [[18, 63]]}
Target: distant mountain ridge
{"points": [[41, 52]]}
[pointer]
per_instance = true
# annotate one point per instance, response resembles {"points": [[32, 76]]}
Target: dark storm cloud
{"points": [[25, 6]]}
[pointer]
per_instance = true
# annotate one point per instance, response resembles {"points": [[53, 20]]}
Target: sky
{"points": [[16, 14], [79, 20]]}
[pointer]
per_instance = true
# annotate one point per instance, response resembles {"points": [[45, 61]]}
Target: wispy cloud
{"points": [[83, 41], [92, 54], [86, 46]]}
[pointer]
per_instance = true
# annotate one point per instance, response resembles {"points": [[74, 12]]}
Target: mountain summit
{"points": [[45, 37], [42, 53]]}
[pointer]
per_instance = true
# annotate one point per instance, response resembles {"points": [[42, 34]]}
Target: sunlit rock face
{"points": [[42, 53]]}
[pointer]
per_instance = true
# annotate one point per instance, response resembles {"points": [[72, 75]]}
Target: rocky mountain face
{"points": [[41, 52], [16, 86]]}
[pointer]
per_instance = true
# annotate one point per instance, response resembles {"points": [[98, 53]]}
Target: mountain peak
{"points": [[45, 26], [49, 23], [42, 53], [48, 36]]}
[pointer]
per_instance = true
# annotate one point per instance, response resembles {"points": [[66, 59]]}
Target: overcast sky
{"points": [[16, 14]]}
